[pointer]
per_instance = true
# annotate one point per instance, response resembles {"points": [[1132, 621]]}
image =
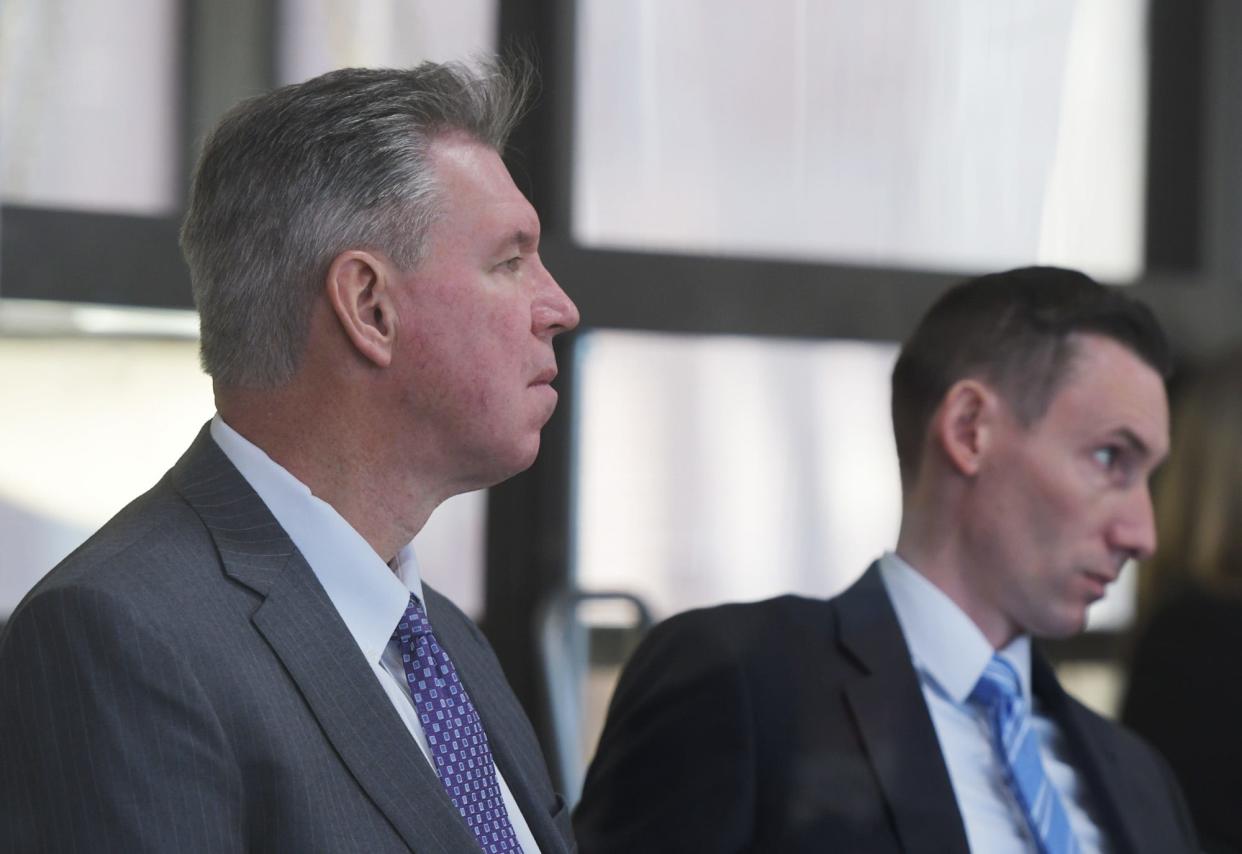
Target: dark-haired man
{"points": [[245, 658], [911, 713]]}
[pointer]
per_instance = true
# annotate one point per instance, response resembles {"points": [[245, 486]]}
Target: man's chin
{"points": [[1059, 625], [518, 460], [1066, 626]]}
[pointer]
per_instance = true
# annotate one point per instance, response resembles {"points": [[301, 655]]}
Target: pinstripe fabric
{"points": [[182, 683]]}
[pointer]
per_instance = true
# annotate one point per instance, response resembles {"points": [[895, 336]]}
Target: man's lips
{"points": [[1099, 582], [544, 377]]}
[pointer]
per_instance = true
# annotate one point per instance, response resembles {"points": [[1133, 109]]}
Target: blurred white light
{"points": [[958, 135]]}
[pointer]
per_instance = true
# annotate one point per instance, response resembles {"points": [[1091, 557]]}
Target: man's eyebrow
{"points": [[1132, 439], [521, 238]]}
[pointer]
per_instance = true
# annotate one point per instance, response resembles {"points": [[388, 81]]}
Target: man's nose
{"points": [[1135, 529], [554, 312]]}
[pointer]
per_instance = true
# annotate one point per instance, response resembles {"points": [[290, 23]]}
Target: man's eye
{"points": [[512, 264], [1107, 456]]}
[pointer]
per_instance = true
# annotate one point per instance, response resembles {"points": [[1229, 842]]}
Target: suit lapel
{"points": [[894, 724], [510, 738], [1118, 802], [305, 632]]}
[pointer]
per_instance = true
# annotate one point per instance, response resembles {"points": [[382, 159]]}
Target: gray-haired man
{"points": [[245, 657]]}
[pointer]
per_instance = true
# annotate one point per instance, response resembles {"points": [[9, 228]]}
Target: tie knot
{"points": [[998, 685], [414, 621]]}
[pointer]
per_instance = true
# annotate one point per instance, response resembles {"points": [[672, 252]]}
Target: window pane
{"points": [[91, 423], [960, 135], [88, 104], [721, 468], [320, 35], [716, 468]]}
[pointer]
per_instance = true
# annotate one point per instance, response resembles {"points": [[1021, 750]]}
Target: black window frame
{"points": [[1192, 265], [229, 50]]}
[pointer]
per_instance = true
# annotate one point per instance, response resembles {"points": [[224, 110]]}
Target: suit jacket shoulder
{"points": [[1137, 796], [183, 682], [771, 726], [800, 725], [682, 714]]}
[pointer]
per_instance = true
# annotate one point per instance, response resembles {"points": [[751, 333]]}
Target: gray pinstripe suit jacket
{"points": [[181, 682]]}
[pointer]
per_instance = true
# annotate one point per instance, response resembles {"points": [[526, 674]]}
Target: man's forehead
{"points": [[1108, 388], [454, 143], [1094, 356], [477, 198]]}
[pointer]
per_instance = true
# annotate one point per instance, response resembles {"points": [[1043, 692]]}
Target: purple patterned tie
{"points": [[454, 732]]}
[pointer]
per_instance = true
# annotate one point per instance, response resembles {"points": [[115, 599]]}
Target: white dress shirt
{"points": [[949, 653], [370, 597]]}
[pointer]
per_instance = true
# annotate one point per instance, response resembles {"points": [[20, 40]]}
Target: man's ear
{"points": [[360, 291], [965, 424]]}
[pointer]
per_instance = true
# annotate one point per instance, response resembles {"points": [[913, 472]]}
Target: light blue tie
{"points": [[999, 693]]}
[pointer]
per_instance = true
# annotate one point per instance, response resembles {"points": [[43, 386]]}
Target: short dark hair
{"points": [[1013, 330], [292, 178]]}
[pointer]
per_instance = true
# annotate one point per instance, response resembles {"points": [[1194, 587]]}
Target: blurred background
{"points": [[751, 205]]}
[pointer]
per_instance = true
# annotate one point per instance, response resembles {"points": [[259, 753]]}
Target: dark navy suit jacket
{"points": [[799, 725]]}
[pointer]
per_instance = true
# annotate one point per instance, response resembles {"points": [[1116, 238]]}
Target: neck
{"points": [[936, 545], [334, 452]]}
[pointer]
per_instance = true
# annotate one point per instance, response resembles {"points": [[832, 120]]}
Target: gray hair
{"points": [[292, 178]]}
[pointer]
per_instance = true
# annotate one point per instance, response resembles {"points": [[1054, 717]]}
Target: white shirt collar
{"points": [[944, 643], [369, 596]]}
